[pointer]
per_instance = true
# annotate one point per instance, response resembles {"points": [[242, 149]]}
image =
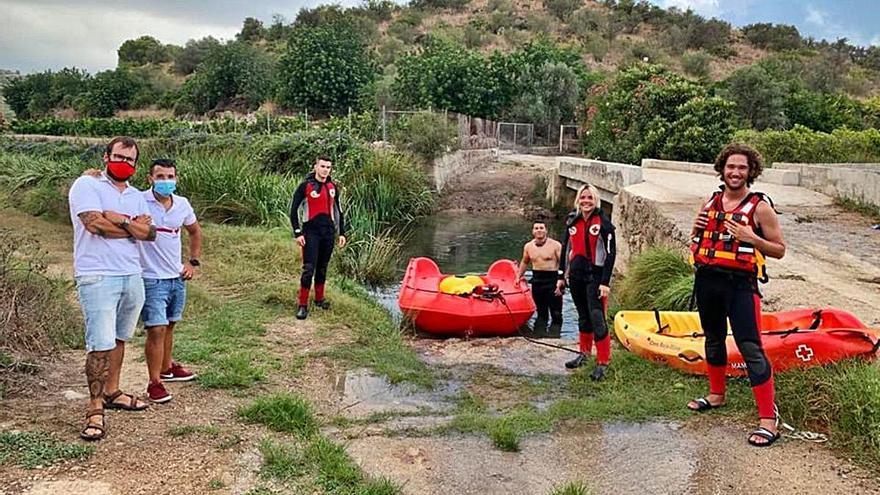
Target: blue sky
{"points": [[856, 20], [50, 34]]}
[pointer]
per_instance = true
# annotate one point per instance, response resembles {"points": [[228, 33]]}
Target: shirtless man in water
{"points": [[543, 253]]}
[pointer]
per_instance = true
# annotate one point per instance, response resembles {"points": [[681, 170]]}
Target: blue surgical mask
{"points": [[164, 187]]}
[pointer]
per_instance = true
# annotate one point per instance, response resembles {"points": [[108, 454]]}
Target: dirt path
{"points": [[144, 454]]}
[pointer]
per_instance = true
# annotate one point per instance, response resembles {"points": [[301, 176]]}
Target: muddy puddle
{"points": [[364, 393]]}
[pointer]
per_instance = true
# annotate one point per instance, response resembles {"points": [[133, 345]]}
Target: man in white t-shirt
{"points": [[109, 218], [165, 275]]}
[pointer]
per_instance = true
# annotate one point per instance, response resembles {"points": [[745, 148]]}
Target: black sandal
{"points": [[91, 426], [131, 406], [766, 435], [703, 404]]}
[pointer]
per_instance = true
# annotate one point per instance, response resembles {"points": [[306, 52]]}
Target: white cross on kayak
{"points": [[804, 352]]}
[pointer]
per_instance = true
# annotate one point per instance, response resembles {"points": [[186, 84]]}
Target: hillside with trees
{"points": [[544, 62]]}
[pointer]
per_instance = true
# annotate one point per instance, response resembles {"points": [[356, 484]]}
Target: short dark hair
{"points": [[126, 142], [162, 162], [323, 158], [539, 220], [756, 161]]}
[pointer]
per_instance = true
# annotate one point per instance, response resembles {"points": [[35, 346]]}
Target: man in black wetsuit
{"points": [[316, 204], [543, 253]]}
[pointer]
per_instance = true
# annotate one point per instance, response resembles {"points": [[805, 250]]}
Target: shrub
{"points": [[36, 95], [440, 4], [643, 113], [232, 75], [773, 36], [325, 68], [759, 97], [804, 145], [193, 53], [823, 112], [702, 127], [548, 96], [142, 51], [696, 64], [562, 9], [585, 22], [38, 317], [447, 76], [657, 278], [295, 153], [406, 26], [426, 135], [107, 92]]}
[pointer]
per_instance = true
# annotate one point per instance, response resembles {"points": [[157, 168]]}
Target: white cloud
{"points": [[702, 7], [816, 17], [34, 38]]}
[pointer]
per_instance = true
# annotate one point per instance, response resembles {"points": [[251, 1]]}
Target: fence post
{"points": [[384, 130], [349, 120], [560, 138], [307, 118], [514, 137], [268, 124]]}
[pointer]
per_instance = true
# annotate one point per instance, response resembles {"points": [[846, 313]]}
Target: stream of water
{"points": [[469, 243]]}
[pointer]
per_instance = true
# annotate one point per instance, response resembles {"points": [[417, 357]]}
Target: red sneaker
{"points": [[177, 373], [157, 393]]}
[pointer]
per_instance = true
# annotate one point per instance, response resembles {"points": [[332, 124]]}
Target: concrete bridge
{"points": [[609, 177]]}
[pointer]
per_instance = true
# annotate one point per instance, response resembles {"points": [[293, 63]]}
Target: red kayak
{"points": [[498, 308]]}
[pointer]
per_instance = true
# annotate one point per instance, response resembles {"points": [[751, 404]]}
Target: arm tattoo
{"points": [[151, 234], [89, 217], [97, 371]]}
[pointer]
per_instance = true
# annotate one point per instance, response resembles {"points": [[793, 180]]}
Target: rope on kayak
{"points": [[499, 296]]}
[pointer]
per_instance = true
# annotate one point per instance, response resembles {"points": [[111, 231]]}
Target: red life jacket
{"points": [[584, 240], [319, 199], [715, 247]]}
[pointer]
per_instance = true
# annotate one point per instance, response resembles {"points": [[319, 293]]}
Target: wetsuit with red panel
{"points": [[315, 214], [589, 249], [726, 288]]}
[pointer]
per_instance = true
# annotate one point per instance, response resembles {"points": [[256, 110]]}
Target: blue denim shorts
{"points": [[110, 305], [165, 300]]}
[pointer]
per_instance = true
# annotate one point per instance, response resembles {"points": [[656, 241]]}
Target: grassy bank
{"points": [[245, 180]]}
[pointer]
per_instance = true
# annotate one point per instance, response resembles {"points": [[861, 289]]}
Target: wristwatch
{"points": [[194, 262]]}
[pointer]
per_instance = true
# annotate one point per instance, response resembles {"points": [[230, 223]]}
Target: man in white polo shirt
{"points": [[109, 217], [164, 275]]}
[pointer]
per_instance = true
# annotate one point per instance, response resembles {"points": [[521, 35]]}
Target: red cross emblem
{"points": [[804, 352]]}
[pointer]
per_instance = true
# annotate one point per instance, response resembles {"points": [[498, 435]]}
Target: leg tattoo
{"points": [[97, 372]]}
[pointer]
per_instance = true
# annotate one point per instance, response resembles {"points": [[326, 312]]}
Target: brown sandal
{"points": [[131, 406], [91, 426]]}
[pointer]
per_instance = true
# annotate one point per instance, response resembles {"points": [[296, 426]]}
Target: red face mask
{"points": [[120, 171]]}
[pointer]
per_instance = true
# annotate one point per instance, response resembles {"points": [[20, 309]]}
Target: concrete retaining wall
{"points": [[457, 163], [857, 181], [770, 175], [642, 223], [609, 177]]}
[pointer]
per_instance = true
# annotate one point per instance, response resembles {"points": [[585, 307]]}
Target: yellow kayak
{"points": [[792, 339]]}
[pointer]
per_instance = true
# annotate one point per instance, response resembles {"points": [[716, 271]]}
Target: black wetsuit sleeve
{"points": [[339, 213], [295, 203], [610, 241], [563, 255]]}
